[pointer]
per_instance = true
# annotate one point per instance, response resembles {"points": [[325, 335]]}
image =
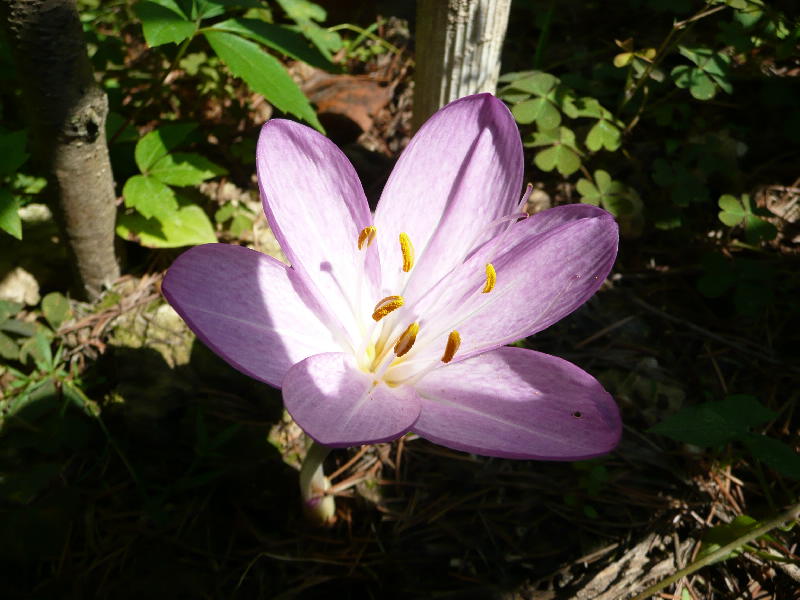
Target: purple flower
{"points": [[398, 322]]}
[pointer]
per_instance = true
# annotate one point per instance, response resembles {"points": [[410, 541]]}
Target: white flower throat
{"points": [[395, 327]]}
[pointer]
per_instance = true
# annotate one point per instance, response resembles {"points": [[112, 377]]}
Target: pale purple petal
{"points": [[460, 172], [316, 207], [541, 278], [247, 307], [339, 405], [517, 403]]}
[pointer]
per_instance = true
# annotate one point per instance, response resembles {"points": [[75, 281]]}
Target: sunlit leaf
{"points": [[262, 72], [162, 25], [149, 196]]}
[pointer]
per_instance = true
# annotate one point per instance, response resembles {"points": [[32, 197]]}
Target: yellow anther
{"points": [[366, 237], [453, 342], [407, 339], [408, 252], [387, 305], [491, 278]]}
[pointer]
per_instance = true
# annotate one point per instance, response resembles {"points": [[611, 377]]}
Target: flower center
{"points": [[395, 325]]}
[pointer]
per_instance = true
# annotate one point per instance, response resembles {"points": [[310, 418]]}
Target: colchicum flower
{"points": [[398, 322]]}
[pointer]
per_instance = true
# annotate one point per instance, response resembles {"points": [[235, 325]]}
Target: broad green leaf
{"points": [[263, 73], [240, 224], [699, 83], [162, 25], [774, 453], [9, 214], [8, 348], [540, 110], [159, 142], [149, 196], [603, 133], [185, 168], [12, 151], [326, 41], [278, 38], [9, 308], [188, 226], [589, 193], [715, 423], [722, 535], [299, 10], [560, 157], [539, 83], [757, 229], [56, 309]]}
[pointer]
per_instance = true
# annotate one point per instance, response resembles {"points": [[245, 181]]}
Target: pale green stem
{"points": [[790, 515], [318, 506]]}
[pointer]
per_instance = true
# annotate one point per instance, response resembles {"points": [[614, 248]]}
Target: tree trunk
{"points": [[68, 115], [458, 45]]}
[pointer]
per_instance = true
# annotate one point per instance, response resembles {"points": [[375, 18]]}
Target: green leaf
{"points": [[540, 110], [8, 348], [774, 453], [263, 73], [159, 142], [185, 168], [539, 84], [188, 226], [56, 309], [699, 84], [150, 197], [562, 158], [162, 25], [9, 308], [604, 133], [722, 535], [9, 214], [278, 38], [301, 10], [12, 151], [715, 423], [757, 229]]}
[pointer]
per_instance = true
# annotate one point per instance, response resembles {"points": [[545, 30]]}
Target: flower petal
{"points": [[339, 405], [517, 403], [316, 207], [461, 171], [541, 277], [247, 307]]}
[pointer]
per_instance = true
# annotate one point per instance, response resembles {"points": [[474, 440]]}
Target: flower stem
{"points": [[318, 506]]}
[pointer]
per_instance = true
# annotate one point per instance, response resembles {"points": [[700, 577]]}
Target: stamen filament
{"points": [[387, 305], [408, 252], [453, 343], [491, 278], [407, 339], [366, 237]]}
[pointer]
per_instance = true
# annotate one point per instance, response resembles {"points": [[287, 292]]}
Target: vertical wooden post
{"points": [[458, 44]]}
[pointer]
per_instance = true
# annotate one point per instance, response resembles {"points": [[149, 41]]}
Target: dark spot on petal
{"points": [[577, 414]]}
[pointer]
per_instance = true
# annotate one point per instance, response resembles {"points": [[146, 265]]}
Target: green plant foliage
{"points": [[715, 423], [709, 73], [562, 153], [187, 226], [614, 196], [56, 309], [307, 14], [722, 535], [738, 211], [12, 156], [263, 73], [163, 22], [162, 221], [684, 185], [280, 39], [751, 281]]}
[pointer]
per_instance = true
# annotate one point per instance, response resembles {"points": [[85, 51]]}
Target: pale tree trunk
{"points": [[458, 45], [68, 113]]}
